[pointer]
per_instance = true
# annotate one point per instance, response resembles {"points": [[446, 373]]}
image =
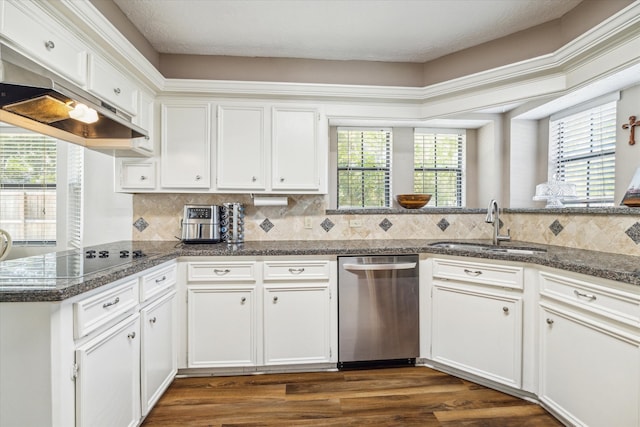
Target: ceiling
{"points": [[373, 30]]}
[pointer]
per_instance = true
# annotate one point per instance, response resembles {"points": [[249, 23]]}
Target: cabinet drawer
{"points": [[221, 272], [111, 85], [484, 274], [157, 282], [50, 44], [296, 270], [618, 305], [137, 174], [93, 312]]}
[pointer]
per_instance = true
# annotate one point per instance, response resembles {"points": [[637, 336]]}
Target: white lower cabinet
{"points": [[260, 313], [478, 332], [159, 357], [221, 326], [297, 325], [108, 377], [589, 363], [476, 319]]}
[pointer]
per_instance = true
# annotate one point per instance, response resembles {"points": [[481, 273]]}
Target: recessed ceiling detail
{"points": [[373, 30]]}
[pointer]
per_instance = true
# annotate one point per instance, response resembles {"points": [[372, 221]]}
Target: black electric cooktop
{"points": [[69, 264]]}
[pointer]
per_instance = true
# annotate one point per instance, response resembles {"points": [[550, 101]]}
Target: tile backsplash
{"points": [[161, 215]]}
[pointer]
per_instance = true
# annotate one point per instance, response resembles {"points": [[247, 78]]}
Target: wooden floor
{"points": [[414, 396]]}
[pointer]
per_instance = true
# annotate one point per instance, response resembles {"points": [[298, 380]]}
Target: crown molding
{"points": [[543, 75]]}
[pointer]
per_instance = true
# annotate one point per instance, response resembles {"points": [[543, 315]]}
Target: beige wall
{"points": [[530, 43]]}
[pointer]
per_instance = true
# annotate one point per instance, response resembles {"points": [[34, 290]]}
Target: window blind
{"points": [[364, 167], [439, 166], [582, 152], [75, 162], [28, 187]]}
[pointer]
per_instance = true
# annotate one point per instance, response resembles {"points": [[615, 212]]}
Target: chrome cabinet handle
{"points": [[162, 279], [117, 90], [296, 270], [142, 177], [582, 294], [281, 179], [198, 177], [50, 45], [254, 179], [152, 320], [243, 300], [275, 300], [132, 335], [505, 310], [221, 272], [110, 303], [473, 273], [549, 321]]}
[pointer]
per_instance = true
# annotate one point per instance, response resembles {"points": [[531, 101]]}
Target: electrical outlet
{"points": [[353, 223], [307, 222]]}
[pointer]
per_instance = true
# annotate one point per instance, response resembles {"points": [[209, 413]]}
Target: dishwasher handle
{"points": [[380, 267]]}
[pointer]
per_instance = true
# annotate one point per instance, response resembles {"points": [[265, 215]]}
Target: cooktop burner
{"points": [[68, 264]]}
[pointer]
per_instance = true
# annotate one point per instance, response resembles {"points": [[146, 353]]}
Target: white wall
{"points": [[490, 163], [627, 156], [107, 215], [523, 164]]}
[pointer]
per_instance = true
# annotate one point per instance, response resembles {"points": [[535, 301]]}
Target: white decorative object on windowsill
{"points": [[555, 192]]}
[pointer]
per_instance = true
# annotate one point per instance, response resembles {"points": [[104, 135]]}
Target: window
{"points": [[439, 166], [582, 152], [364, 168], [28, 187]]}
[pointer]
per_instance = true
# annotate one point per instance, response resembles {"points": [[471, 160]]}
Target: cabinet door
{"points": [[111, 85], [108, 381], [186, 138], [146, 120], [50, 43], [589, 372], [479, 333], [295, 149], [159, 355], [241, 159], [221, 325], [296, 325]]}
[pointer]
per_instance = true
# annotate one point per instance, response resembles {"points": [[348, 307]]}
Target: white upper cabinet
{"points": [[36, 35], [241, 153], [146, 120], [185, 145], [295, 155], [276, 149], [108, 83]]}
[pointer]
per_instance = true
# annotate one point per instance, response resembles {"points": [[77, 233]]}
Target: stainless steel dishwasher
{"points": [[378, 311]]}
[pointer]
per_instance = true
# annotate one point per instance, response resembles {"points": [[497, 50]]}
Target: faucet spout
{"points": [[493, 217]]}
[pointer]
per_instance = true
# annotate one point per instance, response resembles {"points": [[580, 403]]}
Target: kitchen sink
{"points": [[488, 248]]}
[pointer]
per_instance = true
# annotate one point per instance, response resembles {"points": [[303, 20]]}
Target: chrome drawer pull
{"points": [[110, 303], [243, 300], [296, 270], [117, 90], [142, 177], [221, 272], [49, 45], [473, 273], [582, 294], [152, 320], [549, 321], [275, 300], [132, 335], [162, 279], [505, 310]]}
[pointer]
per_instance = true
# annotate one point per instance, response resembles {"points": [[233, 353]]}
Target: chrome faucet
{"points": [[493, 217]]}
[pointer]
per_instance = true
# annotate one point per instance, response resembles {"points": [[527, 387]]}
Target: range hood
{"points": [[34, 98]]}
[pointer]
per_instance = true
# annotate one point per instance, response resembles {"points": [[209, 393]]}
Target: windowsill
{"points": [[621, 210]]}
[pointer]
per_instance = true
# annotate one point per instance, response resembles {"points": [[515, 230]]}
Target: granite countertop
{"points": [[621, 268]]}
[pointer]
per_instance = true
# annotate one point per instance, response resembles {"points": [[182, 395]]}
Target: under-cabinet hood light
{"points": [[84, 114]]}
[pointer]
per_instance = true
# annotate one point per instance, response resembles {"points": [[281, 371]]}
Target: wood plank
{"points": [[415, 396]]}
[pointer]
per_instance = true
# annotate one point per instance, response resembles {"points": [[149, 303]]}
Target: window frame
{"points": [[459, 168], [387, 136]]}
